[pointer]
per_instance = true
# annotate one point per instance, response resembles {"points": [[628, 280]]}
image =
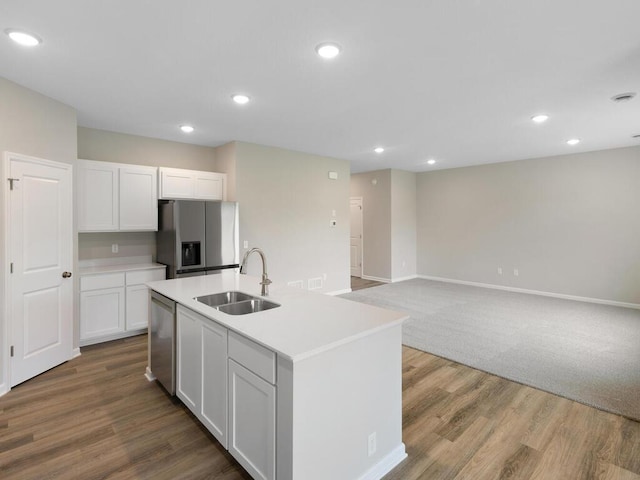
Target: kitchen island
{"points": [[309, 390]]}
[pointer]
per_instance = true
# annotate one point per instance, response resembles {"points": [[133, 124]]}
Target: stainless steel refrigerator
{"points": [[196, 237]]}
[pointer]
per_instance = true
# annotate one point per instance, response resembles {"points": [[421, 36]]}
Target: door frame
{"points": [[360, 200], [6, 321]]}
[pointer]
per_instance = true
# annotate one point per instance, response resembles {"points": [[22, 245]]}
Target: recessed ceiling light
{"points": [[431, 161], [573, 141], [186, 128], [328, 50], [378, 149], [540, 118], [240, 98], [23, 38], [623, 97]]}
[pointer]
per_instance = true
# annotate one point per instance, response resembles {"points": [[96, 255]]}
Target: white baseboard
{"points": [[339, 292], [387, 464], [75, 353], [535, 292], [149, 375], [402, 279], [376, 279], [113, 336], [4, 389]]}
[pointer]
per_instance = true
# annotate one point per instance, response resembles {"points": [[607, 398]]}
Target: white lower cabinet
{"points": [[201, 348], [213, 411], [101, 312], [189, 355], [228, 383], [252, 422], [137, 307], [115, 304]]}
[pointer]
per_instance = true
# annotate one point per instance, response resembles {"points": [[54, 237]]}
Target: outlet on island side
{"points": [[114, 248]]}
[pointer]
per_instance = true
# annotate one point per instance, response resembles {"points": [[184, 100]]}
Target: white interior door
{"points": [[356, 237], [40, 255]]}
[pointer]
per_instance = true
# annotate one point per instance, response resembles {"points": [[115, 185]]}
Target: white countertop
{"points": [[97, 269], [304, 325]]}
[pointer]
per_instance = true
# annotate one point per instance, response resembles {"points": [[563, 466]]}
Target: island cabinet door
{"points": [[213, 410], [252, 416], [189, 353]]}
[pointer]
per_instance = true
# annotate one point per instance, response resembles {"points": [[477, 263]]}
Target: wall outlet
{"points": [[371, 444], [333, 222], [515, 272], [114, 248], [296, 284], [246, 244], [499, 270]]}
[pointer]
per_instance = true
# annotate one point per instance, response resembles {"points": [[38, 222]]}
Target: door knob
{"points": [[66, 274]]}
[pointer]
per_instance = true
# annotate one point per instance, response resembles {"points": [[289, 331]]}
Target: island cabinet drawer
{"points": [[144, 276], [104, 280], [258, 359]]}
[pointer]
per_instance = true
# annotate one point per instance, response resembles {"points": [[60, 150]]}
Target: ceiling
{"points": [[453, 80]]}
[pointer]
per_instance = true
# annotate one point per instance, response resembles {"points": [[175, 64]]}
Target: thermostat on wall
{"points": [[333, 175]]}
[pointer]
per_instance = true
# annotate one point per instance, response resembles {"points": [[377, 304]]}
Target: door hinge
{"points": [[12, 350], [11, 180], [11, 267]]}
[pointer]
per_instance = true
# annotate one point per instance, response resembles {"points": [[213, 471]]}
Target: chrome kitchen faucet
{"points": [[265, 279]]}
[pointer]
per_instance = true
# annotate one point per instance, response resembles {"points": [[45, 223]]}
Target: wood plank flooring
{"points": [[358, 283], [97, 417]]}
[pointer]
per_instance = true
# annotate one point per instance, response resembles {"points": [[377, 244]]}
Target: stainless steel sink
{"points": [[224, 298], [247, 306], [236, 303]]}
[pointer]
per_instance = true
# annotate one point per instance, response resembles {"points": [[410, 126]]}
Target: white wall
{"points": [[389, 223], [226, 163], [569, 224], [286, 205], [123, 148], [35, 125], [375, 190], [403, 225]]}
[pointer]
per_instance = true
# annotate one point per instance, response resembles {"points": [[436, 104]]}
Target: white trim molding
{"points": [[76, 352], [376, 279], [149, 375], [339, 292], [534, 292], [385, 465], [402, 279]]}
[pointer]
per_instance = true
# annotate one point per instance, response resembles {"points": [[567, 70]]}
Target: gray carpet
{"points": [[583, 351]]}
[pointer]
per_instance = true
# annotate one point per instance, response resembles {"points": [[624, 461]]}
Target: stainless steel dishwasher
{"points": [[162, 341]]}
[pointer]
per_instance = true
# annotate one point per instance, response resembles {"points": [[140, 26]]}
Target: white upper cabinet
{"points": [[116, 197], [138, 198], [178, 183], [97, 196]]}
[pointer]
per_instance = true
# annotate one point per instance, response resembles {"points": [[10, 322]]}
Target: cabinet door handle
{"points": [[66, 274]]}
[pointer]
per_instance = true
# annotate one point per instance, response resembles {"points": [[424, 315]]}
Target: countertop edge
{"points": [[386, 319], [118, 268]]}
